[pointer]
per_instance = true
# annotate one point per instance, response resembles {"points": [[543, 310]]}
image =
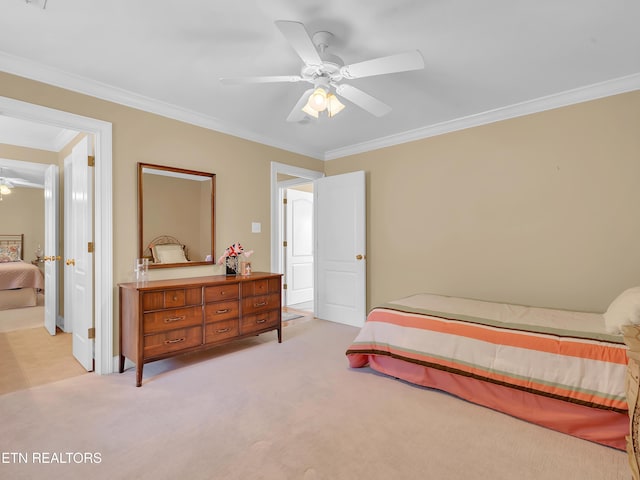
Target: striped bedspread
{"points": [[559, 354]]}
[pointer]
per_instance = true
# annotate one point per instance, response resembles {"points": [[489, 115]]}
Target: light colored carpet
{"points": [[262, 410], [31, 357]]}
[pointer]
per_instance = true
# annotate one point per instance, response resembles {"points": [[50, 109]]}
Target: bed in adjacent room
{"points": [[560, 369], [19, 281]]}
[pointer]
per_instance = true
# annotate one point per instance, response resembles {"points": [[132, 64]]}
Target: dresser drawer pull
{"points": [[223, 330], [261, 304], [175, 340], [226, 310], [174, 319], [262, 320]]}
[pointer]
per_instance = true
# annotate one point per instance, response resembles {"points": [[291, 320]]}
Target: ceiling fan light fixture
{"points": [[334, 106], [310, 111], [318, 100]]}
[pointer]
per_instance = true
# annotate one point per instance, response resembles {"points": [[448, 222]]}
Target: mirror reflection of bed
{"points": [[29, 355]]}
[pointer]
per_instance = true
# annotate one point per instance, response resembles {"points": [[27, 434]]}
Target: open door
{"points": [[341, 248], [299, 249], [78, 248], [51, 248]]}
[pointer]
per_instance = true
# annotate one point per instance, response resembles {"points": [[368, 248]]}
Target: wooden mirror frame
{"points": [[141, 207]]}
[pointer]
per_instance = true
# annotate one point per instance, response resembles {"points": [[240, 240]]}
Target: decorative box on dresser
{"points": [[632, 339], [164, 318]]}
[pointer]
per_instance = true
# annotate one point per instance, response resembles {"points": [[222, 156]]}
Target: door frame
{"points": [[105, 362], [303, 175]]}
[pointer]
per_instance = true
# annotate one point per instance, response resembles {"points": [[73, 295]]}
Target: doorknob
{"points": [[71, 261], [360, 257]]}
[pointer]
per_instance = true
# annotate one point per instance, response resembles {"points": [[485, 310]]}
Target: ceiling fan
{"points": [[326, 73]]}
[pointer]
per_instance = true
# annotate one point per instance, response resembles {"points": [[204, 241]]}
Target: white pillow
{"points": [[624, 310], [172, 253]]}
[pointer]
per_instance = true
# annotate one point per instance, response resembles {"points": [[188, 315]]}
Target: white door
{"points": [[51, 248], [340, 245], [299, 250], [78, 260]]}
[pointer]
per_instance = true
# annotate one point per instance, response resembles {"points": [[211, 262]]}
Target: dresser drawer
{"points": [[180, 339], [165, 320], [260, 304], [261, 287], [171, 298], [221, 292], [215, 332], [257, 322], [214, 312]]}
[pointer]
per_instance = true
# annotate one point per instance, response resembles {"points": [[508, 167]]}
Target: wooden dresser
{"points": [[163, 318], [632, 384]]}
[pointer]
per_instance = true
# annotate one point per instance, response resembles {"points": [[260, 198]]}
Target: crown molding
{"points": [[42, 73], [570, 97], [51, 76]]}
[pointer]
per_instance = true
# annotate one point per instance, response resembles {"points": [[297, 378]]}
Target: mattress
{"points": [[485, 351]]}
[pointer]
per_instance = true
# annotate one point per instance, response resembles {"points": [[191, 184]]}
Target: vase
{"points": [[231, 264]]}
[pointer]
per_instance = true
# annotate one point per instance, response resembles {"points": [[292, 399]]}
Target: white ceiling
{"points": [[484, 60]]}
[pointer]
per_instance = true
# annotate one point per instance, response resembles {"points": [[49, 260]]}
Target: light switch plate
{"points": [[256, 227]]}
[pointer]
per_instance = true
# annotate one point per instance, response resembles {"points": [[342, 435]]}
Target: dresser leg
{"points": [[139, 375], [121, 363], [280, 335]]}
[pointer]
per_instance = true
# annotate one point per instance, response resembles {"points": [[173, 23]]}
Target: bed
{"points": [[166, 249], [19, 281], [560, 369]]}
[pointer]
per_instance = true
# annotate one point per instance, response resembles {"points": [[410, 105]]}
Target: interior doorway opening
{"points": [[297, 248], [284, 180]]}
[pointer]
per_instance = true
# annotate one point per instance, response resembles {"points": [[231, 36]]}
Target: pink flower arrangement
{"points": [[234, 250]]}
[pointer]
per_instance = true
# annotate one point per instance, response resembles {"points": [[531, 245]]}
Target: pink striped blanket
{"points": [[554, 353]]}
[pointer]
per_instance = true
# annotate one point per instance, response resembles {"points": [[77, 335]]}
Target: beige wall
{"points": [[23, 212], [143, 137], [540, 210]]}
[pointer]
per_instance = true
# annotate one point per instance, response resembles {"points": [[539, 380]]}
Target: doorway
{"points": [[103, 249], [297, 248], [284, 177]]}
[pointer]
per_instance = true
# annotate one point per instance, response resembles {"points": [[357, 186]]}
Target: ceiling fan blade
{"points": [[363, 100], [297, 35], [297, 114], [272, 79], [402, 62]]}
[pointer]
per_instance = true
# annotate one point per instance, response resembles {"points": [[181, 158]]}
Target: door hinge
{"points": [[284, 201], [284, 286], [284, 244], [91, 333], [90, 247], [91, 161]]}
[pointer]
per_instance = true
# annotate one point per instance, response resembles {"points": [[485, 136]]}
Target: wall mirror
{"points": [[176, 220]]}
